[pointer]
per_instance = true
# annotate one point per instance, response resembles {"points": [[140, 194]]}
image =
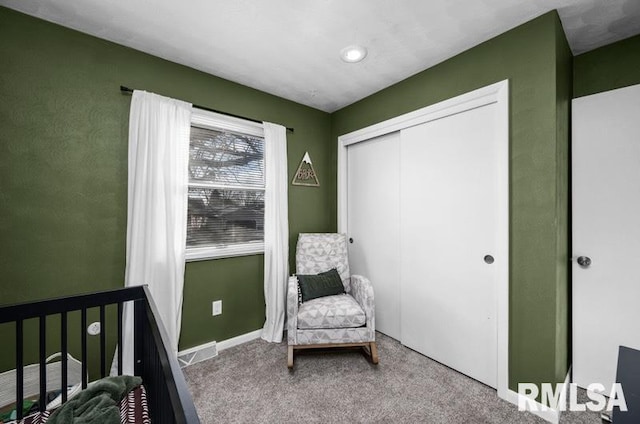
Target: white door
{"points": [[606, 229], [374, 223], [449, 197]]}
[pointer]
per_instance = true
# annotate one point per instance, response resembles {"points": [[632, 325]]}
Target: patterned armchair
{"points": [[345, 320]]}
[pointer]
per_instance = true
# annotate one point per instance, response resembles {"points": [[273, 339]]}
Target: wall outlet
{"points": [[93, 329], [216, 308]]}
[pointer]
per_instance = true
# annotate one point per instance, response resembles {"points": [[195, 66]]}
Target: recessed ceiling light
{"points": [[353, 54]]}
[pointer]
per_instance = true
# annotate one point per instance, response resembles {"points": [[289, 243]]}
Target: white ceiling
{"points": [[290, 48]]}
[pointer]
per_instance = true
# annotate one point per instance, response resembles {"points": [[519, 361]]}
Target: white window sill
{"points": [[205, 253]]}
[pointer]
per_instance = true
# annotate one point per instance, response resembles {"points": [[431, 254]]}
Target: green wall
{"points": [[564, 91], [63, 173], [606, 68], [534, 59]]}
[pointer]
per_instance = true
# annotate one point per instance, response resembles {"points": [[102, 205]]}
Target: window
{"points": [[226, 187]]}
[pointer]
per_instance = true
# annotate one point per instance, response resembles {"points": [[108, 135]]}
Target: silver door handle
{"points": [[584, 261]]}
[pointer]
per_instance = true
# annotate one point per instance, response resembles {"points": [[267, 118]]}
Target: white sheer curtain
{"points": [[157, 209], [276, 231]]}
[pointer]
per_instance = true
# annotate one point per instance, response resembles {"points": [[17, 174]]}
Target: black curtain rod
{"points": [[130, 91]]}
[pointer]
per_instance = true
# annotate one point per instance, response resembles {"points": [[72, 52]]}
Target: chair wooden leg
{"points": [[374, 352], [290, 357]]}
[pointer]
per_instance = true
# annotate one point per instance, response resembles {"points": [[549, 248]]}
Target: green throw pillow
{"points": [[323, 284]]}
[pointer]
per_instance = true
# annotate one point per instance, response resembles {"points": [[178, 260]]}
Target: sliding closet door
{"points": [[374, 223], [449, 200]]}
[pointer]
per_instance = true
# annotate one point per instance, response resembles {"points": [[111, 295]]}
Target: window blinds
{"points": [[226, 188]]}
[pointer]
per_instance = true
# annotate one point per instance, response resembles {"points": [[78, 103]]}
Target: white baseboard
{"points": [[226, 344], [563, 396], [548, 414], [242, 338]]}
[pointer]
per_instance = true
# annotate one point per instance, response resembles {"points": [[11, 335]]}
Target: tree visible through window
{"points": [[226, 189]]}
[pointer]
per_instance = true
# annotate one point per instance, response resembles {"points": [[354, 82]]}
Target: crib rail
{"points": [[168, 396]]}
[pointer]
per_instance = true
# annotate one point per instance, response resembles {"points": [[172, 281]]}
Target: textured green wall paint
{"points": [[238, 282], [564, 88], [63, 173], [526, 56], [607, 68]]}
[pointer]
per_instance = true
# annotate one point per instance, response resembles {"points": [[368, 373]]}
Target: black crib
{"points": [[167, 393]]}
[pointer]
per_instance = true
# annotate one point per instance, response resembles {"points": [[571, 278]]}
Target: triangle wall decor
{"points": [[305, 174]]}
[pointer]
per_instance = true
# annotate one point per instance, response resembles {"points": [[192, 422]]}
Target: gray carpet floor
{"points": [[250, 383]]}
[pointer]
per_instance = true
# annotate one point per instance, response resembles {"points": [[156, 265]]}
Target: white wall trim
{"points": [[471, 100], [213, 252], [238, 340], [563, 396], [498, 94], [548, 414], [226, 344], [217, 121]]}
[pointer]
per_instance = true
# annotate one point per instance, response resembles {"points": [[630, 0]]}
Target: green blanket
{"points": [[98, 403]]}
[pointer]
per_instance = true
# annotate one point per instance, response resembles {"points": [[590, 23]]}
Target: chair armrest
{"points": [[292, 309], [362, 292]]}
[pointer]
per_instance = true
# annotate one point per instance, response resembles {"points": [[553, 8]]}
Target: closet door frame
{"points": [[497, 94]]}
